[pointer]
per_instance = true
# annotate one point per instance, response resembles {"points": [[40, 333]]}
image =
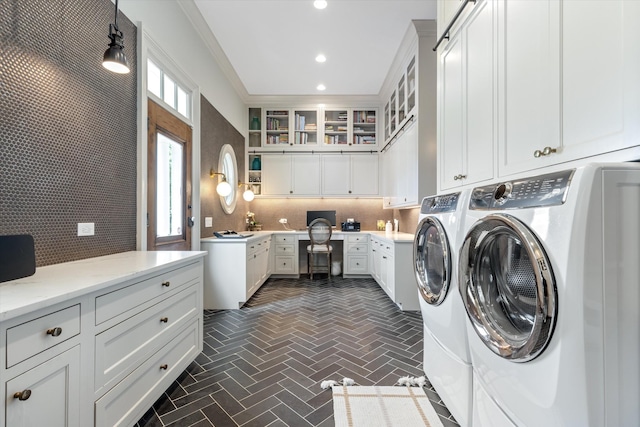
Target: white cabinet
{"points": [[466, 136], [285, 254], [43, 368], [350, 174], [568, 83], [403, 174], [529, 82], [235, 269], [356, 254], [392, 268], [48, 394], [291, 175], [82, 361], [258, 265], [409, 157]]}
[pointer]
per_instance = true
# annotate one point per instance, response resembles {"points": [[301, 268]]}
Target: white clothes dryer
{"points": [[447, 362], [549, 275]]}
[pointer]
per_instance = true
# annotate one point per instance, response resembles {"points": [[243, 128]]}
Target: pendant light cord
{"points": [[115, 19]]}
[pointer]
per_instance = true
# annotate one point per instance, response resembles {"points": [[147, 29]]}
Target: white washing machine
{"points": [[447, 362], [549, 275]]}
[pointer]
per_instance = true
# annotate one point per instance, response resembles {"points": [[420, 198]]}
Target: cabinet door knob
{"points": [[54, 332], [166, 284], [164, 319], [290, 191], [164, 367], [22, 395], [545, 152]]}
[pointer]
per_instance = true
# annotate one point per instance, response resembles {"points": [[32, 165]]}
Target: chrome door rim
{"points": [[481, 308], [418, 267]]}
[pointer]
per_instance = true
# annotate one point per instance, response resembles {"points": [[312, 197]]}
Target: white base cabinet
{"points": [[356, 255], [285, 255], [51, 391], [234, 270], [103, 341], [392, 267]]}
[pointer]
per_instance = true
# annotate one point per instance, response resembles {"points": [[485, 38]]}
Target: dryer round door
{"points": [[432, 260], [508, 288]]}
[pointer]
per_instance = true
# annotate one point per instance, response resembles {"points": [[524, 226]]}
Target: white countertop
{"points": [[59, 282], [396, 237]]}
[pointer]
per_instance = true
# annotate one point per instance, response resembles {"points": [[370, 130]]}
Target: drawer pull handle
{"points": [[545, 152], [164, 367], [22, 395], [164, 319], [54, 332], [166, 284]]}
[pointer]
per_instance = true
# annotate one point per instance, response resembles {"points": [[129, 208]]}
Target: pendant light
{"points": [[114, 58]]}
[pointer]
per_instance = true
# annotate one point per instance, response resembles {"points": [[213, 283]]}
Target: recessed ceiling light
{"points": [[321, 87], [321, 58], [320, 4]]}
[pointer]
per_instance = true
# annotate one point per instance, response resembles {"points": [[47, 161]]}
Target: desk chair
{"points": [[320, 235]]}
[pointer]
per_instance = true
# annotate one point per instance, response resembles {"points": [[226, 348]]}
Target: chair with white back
{"points": [[320, 236]]}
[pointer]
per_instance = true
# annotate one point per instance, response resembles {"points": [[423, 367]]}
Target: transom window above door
{"points": [[168, 90]]}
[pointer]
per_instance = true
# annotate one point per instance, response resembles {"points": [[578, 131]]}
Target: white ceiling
{"points": [[272, 44]]}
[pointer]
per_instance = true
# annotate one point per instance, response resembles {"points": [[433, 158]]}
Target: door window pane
{"points": [[182, 102], [154, 79], [169, 91], [169, 187]]}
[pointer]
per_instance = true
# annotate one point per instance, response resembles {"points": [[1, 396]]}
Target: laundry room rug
{"points": [[372, 406]]}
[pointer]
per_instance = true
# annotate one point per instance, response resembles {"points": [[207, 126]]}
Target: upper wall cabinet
{"points": [[350, 175], [353, 129], [466, 105], [564, 86], [409, 154], [290, 175]]}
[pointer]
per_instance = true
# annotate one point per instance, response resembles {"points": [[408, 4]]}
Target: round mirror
{"points": [[228, 166]]}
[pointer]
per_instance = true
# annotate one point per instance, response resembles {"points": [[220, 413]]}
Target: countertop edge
{"points": [[56, 283]]}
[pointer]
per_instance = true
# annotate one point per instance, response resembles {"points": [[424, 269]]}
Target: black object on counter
{"points": [[17, 257]]}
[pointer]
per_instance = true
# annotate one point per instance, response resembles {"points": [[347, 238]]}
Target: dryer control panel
{"points": [[440, 204], [542, 190]]}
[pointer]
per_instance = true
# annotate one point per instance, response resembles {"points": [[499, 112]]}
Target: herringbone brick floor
{"points": [[262, 365]]}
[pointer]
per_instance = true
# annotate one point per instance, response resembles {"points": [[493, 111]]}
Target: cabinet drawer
{"points": [[285, 265], [285, 250], [120, 348], [37, 335], [125, 403], [256, 246], [357, 264], [358, 238], [122, 300], [284, 238], [357, 248]]}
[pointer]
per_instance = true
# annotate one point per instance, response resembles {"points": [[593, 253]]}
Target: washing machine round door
{"points": [[432, 260], [507, 287]]}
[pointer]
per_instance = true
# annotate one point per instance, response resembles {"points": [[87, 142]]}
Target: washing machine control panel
{"points": [[542, 190], [439, 204]]}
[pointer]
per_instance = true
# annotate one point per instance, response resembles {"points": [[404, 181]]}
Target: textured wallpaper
{"points": [[67, 129]]}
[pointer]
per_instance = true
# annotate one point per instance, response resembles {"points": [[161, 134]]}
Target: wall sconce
{"points": [[248, 195], [114, 58], [223, 188]]}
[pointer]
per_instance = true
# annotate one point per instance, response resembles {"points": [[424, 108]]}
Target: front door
{"points": [[169, 216]]}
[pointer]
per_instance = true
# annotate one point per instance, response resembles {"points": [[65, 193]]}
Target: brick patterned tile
{"points": [[262, 365]]}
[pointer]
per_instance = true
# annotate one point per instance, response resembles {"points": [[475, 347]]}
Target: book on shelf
{"points": [[277, 113]]}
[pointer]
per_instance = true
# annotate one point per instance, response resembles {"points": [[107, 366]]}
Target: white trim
{"points": [[148, 48]]}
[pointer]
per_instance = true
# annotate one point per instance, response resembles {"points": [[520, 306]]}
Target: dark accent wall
{"points": [[215, 131], [67, 129]]}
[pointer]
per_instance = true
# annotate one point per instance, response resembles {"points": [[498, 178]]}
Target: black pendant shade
{"points": [[114, 58]]}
